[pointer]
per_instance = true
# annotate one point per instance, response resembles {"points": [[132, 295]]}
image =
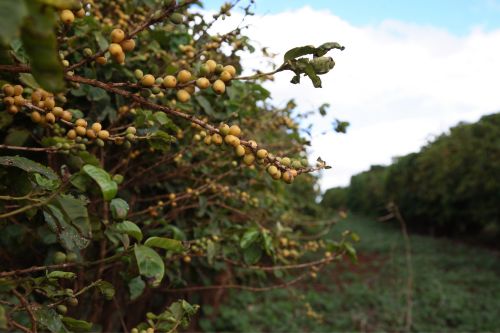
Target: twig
{"points": [[26, 305]]}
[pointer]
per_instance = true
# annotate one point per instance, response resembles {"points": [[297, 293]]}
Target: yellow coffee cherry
{"points": [[232, 140], [187, 260], [277, 175], [101, 60], [8, 90], [272, 170], [117, 35], [103, 134], [262, 153], [248, 159], [128, 45], [217, 139], [219, 87], [120, 58], [148, 80], [203, 83], [207, 140], [239, 150], [225, 76], [286, 161], [96, 127], [235, 130], [81, 122], [50, 117], [71, 134], [80, 130], [49, 103], [183, 76], [115, 49], [9, 100], [67, 16], [169, 81], [12, 109], [253, 144], [211, 65], [36, 96], [36, 117], [287, 177], [67, 115], [230, 69], [91, 134], [18, 100], [58, 111], [80, 13], [224, 129], [183, 96], [18, 90]]}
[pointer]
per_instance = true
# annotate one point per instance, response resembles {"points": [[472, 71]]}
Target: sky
{"points": [[410, 71]]}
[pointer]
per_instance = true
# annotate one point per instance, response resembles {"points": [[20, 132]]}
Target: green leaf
{"points": [[150, 263], [29, 80], [106, 289], [309, 70], [108, 187], [3, 318], [46, 183], [62, 4], [165, 243], [40, 43], [298, 52], [249, 237], [10, 23], [136, 287], [68, 218], [161, 118], [129, 228], [211, 252], [119, 208], [61, 275], [76, 325], [252, 254], [28, 166], [49, 319]]}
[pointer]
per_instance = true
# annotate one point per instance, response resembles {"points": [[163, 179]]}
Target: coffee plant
{"points": [[133, 162]]}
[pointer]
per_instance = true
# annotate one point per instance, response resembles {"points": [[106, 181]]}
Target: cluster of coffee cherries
{"points": [[283, 168], [68, 16], [288, 249], [211, 75], [119, 45]]}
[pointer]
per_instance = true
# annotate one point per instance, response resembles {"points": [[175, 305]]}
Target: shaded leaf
{"points": [[9, 24], [165, 243], [108, 187], [28, 166], [249, 237], [49, 319], [150, 263], [119, 208], [106, 289], [76, 325], [136, 287], [130, 229]]}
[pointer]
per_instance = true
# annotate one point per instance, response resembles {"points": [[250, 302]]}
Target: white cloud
{"points": [[397, 83]]}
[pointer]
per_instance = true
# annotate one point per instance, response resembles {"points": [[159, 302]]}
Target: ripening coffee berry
{"points": [[207, 140], [169, 81], [176, 18], [96, 127], [72, 301], [248, 159], [272, 170], [71, 134], [217, 139], [59, 257], [62, 309], [262, 153], [296, 164], [183, 76], [239, 150], [80, 13], [9, 100], [71, 257], [103, 135], [230, 69], [120, 58], [286, 161], [67, 115], [18, 90], [8, 90], [115, 49], [80, 130], [101, 60], [36, 96], [183, 96], [225, 76], [58, 111], [131, 130], [304, 162], [50, 117], [87, 52], [67, 16], [219, 87], [211, 64], [148, 80], [287, 177], [18, 100], [117, 35], [36, 117], [224, 129], [91, 134], [277, 175], [81, 122], [138, 74], [128, 45], [49, 103], [219, 69], [202, 83], [232, 140], [235, 130]]}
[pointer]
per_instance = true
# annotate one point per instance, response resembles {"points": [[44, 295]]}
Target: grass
{"points": [[456, 289]]}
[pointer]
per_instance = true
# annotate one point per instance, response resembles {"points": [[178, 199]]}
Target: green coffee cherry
{"points": [[177, 18], [59, 257], [138, 74]]}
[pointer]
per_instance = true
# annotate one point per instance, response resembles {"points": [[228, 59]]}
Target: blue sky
{"points": [[456, 16]]}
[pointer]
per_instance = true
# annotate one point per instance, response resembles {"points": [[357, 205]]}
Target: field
{"points": [[456, 289]]}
